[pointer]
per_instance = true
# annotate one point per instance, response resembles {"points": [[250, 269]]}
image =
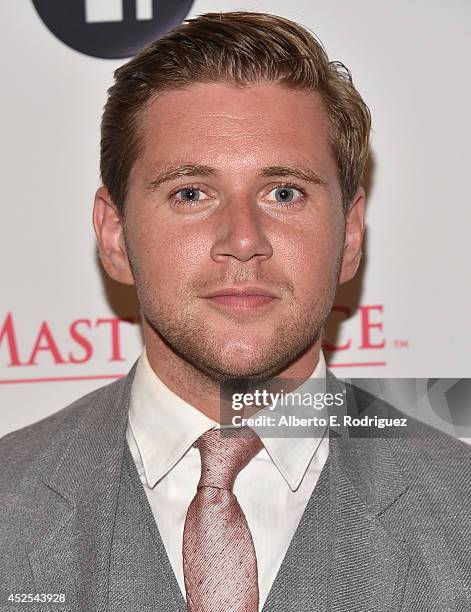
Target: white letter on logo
{"points": [[144, 10], [107, 11], [103, 11]]}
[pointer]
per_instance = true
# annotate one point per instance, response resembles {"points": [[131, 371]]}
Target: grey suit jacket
{"points": [[387, 528]]}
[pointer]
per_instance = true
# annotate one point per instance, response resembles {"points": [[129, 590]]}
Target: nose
{"points": [[240, 233]]}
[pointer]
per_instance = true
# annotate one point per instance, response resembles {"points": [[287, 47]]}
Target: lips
{"points": [[243, 298]]}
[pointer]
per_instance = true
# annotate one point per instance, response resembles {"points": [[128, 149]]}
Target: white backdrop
{"points": [[407, 315]]}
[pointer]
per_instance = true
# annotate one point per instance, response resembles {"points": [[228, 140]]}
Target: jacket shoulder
{"points": [[31, 448], [422, 450]]}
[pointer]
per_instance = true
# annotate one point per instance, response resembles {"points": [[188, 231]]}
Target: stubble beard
{"points": [[185, 332]]}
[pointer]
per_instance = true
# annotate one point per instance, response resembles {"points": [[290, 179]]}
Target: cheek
{"points": [[190, 249], [166, 256], [310, 255]]}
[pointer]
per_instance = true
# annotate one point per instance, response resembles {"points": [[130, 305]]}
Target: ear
{"points": [[109, 230], [354, 231]]}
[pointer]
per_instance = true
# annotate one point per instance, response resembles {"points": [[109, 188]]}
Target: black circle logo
{"points": [[111, 29]]}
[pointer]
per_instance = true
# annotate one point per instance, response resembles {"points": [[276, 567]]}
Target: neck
{"points": [[200, 389]]}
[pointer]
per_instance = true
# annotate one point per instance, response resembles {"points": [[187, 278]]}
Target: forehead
{"points": [[224, 124]]}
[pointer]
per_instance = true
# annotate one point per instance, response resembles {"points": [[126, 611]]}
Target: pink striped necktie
{"points": [[219, 561]]}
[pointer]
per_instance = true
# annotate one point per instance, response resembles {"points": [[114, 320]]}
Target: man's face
{"points": [[235, 192]]}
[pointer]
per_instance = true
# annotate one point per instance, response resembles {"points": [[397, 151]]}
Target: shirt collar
{"points": [[164, 427]]}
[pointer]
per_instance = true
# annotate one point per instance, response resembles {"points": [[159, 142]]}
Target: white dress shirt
{"points": [[272, 490]]}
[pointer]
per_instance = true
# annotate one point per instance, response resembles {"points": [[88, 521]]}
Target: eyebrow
{"points": [[305, 174], [178, 172], [170, 174]]}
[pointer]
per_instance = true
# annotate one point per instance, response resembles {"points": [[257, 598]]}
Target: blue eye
{"points": [[284, 194], [190, 194]]}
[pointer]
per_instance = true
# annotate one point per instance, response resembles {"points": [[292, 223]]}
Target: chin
{"points": [[224, 373], [249, 362]]}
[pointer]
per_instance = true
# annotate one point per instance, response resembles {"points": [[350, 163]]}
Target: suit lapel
{"points": [[141, 576], [369, 566], [342, 556], [73, 554], [302, 582]]}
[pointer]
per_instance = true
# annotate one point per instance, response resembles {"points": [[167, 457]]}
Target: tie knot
{"points": [[224, 456]]}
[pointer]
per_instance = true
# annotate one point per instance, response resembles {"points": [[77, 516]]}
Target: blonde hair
{"points": [[240, 48]]}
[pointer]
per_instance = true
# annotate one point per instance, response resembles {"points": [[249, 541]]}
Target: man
{"points": [[232, 154]]}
